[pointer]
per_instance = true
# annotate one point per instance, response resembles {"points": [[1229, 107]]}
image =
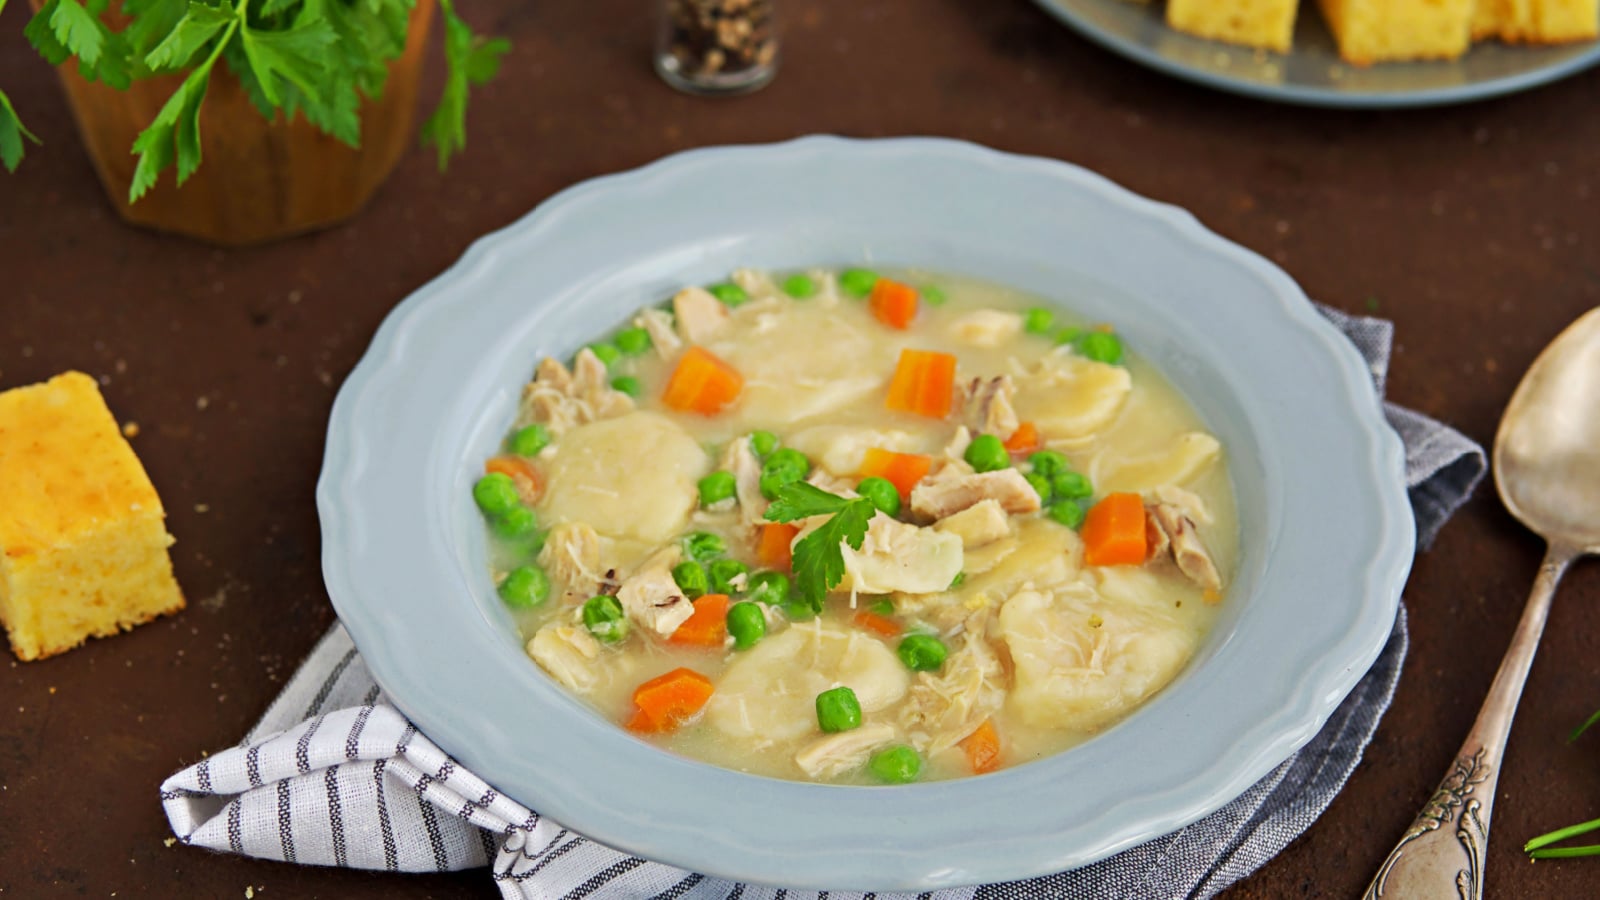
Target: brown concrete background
{"points": [[1473, 227]]}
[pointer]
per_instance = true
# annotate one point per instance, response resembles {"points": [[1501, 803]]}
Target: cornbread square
{"points": [[83, 547], [1370, 31], [1537, 21], [1253, 23]]}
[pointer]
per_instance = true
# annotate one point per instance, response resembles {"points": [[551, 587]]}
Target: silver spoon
{"points": [[1547, 469]]}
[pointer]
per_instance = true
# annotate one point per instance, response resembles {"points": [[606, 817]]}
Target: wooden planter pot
{"points": [[259, 180]]}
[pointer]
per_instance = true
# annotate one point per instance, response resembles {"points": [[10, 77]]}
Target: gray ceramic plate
{"points": [[1326, 534], [1312, 74]]}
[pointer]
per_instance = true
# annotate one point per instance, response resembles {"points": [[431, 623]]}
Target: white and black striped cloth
{"points": [[333, 775]]}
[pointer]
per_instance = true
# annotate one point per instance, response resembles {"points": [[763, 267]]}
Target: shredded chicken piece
{"points": [[978, 525], [987, 405], [1157, 544], [658, 325], [567, 652], [652, 598], [837, 754], [1186, 500], [739, 459], [833, 484], [562, 400], [942, 710], [571, 556], [959, 442], [951, 492], [986, 327], [756, 283], [701, 316], [1193, 560]]}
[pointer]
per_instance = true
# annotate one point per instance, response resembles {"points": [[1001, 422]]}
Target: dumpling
{"points": [[770, 692], [1068, 396], [1188, 456], [840, 449], [632, 477], [816, 363], [1082, 663]]}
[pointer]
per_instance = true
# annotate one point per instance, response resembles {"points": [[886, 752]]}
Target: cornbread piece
{"points": [[1254, 23], [83, 550], [1537, 21], [1372, 31]]}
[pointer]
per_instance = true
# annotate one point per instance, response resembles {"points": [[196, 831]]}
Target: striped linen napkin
{"points": [[334, 775]]}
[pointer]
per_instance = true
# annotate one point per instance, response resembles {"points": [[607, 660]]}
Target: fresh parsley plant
{"points": [[819, 556], [316, 58]]}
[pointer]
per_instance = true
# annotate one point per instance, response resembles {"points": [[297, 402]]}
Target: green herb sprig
{"points": [[1539, 847], [312, 57], [819, 556]]}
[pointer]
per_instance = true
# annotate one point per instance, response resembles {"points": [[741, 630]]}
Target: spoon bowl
{"points": [[1547, 451], [1547, 470]]}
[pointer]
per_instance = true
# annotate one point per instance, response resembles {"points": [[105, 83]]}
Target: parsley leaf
{"points": [[77, 31], [802, 500], [819, 556], [200, 23], [12, 131], [469, 58], [43, 38], [176, 126]]}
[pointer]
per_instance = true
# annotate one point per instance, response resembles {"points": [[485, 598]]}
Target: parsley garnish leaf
{"points": [[819, 556], [77, 30], [801, 500], [12, 131], [469, 58], [198, 25]]}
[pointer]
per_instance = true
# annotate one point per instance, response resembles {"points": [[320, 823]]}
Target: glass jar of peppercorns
{"points": [[717, 46]]}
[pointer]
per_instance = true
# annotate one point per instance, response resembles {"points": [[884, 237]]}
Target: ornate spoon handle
{"points": [[1441, 854]]}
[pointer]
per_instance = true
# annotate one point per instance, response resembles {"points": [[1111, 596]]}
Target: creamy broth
{"points": [[1044, 647]]}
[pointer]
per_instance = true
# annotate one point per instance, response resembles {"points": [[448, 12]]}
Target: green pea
{"points": [[691, 578], [525, 587], [1041, 486], [933, 295], [729, 293], [723, 572], [529, 441], [789, 459], [703, 545], [838, 710], [716, 487], [800, 287], [747, 623], [1038, 320], [634, 341], [882, 492], [1067, 512], [1071, 485], [921, 652], [496, 494], [516, 524], [1049, 462], [857, 282], [1101, 347], [883, 606], [895, 765], [602, 615], [628, 385], [762, 443], [1068, 334], [987, 453], [771, 588], [608, 353], [784, 467]]}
